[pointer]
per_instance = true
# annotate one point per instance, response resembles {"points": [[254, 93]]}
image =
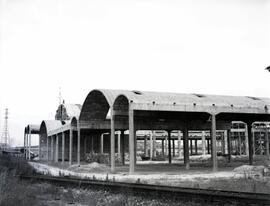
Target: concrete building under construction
{"points": [[124, 124]]}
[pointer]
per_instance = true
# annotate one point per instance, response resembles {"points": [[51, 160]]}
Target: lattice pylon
{"points": [[5, 134]]}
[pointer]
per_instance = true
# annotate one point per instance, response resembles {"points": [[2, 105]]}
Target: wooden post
{"points": [[169, 145], [112, 142], [214, 144], [131, 141], [203, 143], [179, 144], [122, 147], [56, 148], [186, 148], [63, 147], [70, 145]]}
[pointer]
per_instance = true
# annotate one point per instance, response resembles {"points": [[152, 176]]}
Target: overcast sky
{"points": [[185, 46]]}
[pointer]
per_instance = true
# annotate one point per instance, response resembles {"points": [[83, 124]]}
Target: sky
{"points": [[185, 46]]}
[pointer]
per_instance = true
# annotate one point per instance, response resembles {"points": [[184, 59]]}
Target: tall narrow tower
{"points": [[5, 134]]}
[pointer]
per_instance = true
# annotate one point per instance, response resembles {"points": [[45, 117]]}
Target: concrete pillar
{"points": [[239, 143], [223, 142], [101, 143], [246, 139], [196, 146], [84, 145], [63, 147], [208, 146], [250, 143], [162, 147], [191, 147], [186, 147], [112, 142], [214, 144], [122, 134], [56, 147], [29, 145], [179, 144], [70, 145], [203, 143], [119, 143], [229, 144], [169, 145], [267, 142], [48, 149], [79, 144], [154, 144], [26, 145], [173, 147], [151, 145], [166, 145], [225, 135], [145, 146], [131, 141], [52, 148]]}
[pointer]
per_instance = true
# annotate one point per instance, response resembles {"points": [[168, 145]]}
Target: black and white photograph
{"points": [[135, 102]]}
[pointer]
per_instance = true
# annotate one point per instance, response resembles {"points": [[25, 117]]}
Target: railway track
{"points": [[217, 197]]}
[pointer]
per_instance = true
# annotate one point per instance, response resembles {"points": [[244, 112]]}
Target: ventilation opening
{"points": [[137, 92], [199, 95], [254, 98]]}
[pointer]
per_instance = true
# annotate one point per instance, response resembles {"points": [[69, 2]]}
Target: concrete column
{"points": [[214, 143], [246, 139], [250, 143], [26, 146], [196, 146], [208, 146], [229, 144], [186, 147], [84, 144], [79, 144], [154, 144], [173, 147], [166, 145], [101, 143], [179, 144], [63, 147], [119, 143], [225, 141], [203, 143], [145, 146], [122, 134], [29, 145], [191, 147], [52, 148], [48, 149], [56, 147], [267, 142], [70, 145], [151, 145], [112, 142], [162, 147], [169, 145], [131, 141]]}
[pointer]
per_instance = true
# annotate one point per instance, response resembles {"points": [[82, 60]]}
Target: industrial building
{"points": [[115, 122]]}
